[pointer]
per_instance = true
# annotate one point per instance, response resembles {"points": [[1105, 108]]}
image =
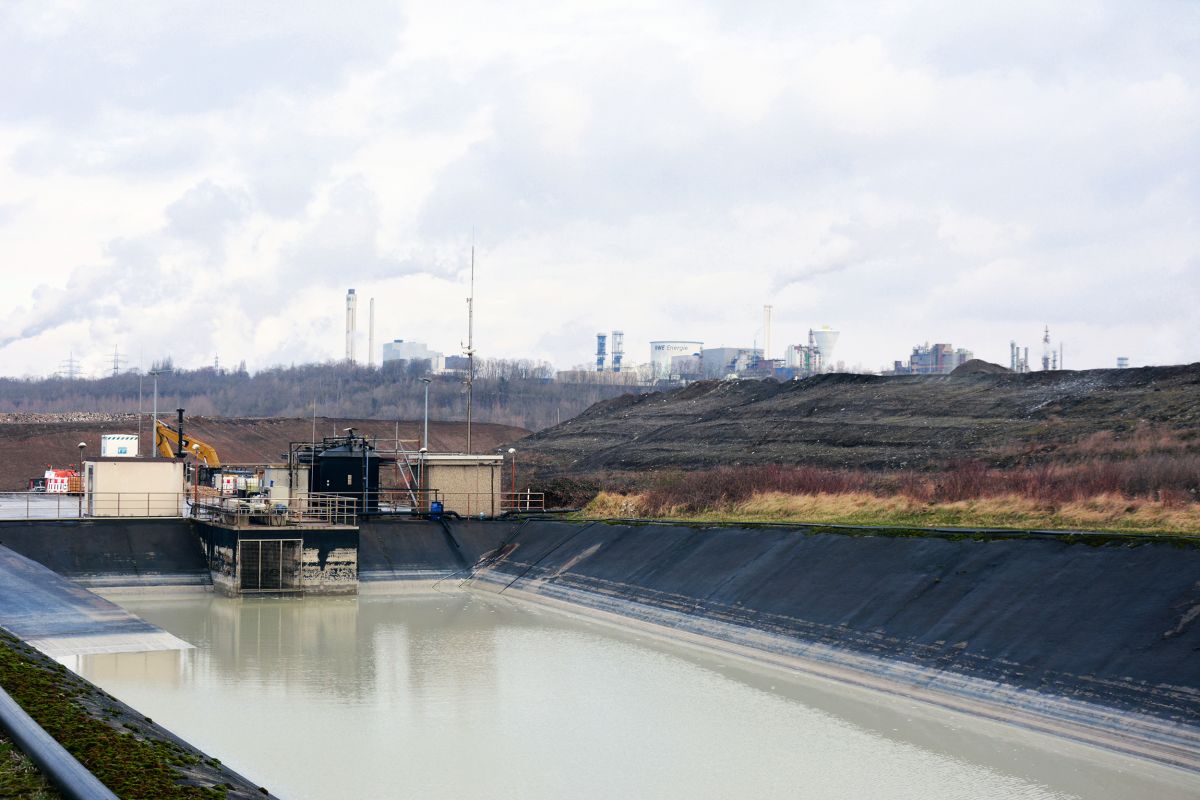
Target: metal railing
{"points": [[517, 502], [465, 504], [304, 509], [39, 505], [308, 510]]}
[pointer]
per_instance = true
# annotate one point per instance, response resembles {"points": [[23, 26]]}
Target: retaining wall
{"points": [[101, 553]]}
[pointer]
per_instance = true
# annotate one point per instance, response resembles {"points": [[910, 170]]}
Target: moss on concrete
{"points": [[128, 753]]}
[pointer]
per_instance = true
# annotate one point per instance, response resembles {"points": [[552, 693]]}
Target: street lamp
{"points": [[421, 499], [512, 451], [81, 446], [425, 438]]}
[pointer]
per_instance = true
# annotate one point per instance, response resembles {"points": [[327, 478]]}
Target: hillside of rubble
{"points": [[909, 422]]}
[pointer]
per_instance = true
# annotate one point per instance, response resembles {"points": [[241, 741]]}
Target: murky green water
{"points": [[459, 696]]}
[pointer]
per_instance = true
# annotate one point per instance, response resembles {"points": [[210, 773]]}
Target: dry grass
{"points": [[1102, 512]]}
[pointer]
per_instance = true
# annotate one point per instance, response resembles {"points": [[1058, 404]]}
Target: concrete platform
{"points": [[62, 619]]}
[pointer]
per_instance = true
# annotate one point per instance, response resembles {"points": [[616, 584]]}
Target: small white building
{"points": [[124, 445], [134, 487]]}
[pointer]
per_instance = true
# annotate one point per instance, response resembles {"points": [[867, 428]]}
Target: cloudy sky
{"points": [[207, 179]]}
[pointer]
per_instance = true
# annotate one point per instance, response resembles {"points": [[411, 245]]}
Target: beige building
{"points": [[467, 484], [134, 487]]}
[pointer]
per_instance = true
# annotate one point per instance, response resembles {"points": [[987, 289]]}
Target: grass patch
{"points": [[116, 749], [1109, 512], [19, 777]]}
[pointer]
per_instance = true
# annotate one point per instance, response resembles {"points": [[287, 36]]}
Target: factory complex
{"points": [[681, 361]]}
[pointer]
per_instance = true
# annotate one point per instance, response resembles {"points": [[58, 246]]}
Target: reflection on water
{"points": [[458, 695]]}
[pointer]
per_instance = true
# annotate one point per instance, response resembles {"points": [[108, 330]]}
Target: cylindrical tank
{"points": [[663, 350]]}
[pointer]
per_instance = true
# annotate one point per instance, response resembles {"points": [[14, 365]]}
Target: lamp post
{"points": [[512, 452], [421, 499], [81, 446], [425, 437], [154, 415]]}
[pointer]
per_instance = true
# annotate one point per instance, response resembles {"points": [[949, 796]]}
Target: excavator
{"points": [[166, 439]]}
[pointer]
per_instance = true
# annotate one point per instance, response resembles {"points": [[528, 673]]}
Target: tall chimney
{"points": [[351, 323], [766, 332], [371, 335]]}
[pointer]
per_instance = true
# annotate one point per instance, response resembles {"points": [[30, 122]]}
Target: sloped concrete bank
{"points": [[1097, 640]]}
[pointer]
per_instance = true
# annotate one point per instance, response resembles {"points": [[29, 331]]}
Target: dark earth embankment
{"points": [[28, 446], [873, 422]]}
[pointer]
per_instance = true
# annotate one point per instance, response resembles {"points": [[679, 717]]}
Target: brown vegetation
{"points": [[1142, 493]]}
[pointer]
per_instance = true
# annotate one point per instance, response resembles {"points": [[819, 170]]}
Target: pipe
{"points": [[72, 779], [179, 453]]}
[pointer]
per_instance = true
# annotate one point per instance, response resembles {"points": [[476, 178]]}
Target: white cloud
{"points": [[904, 172]]}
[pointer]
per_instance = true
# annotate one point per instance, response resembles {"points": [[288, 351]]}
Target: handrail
{"points": [[72, 779]]}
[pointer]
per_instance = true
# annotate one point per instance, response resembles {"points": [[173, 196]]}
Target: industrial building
{"points": [[663, 350], [1052, 357], [936, 359], [718, 362], [815, 356], [400, 350]]}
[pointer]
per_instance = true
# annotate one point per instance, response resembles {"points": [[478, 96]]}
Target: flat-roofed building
{"points": [[133, 487]]}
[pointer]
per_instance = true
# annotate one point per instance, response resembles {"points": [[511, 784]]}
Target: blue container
{"points": [[435, 509]]}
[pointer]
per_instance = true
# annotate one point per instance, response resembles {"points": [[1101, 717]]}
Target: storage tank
{"points": [[663, 350], [119, 445], [825, 339]]}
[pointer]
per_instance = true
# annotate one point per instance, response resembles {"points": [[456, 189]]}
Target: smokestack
{"points": [[351, 323], [371, 334], [766, 332]]}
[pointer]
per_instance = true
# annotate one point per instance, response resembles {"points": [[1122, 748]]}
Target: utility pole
{"points": [[154, 414], [470, 343]]}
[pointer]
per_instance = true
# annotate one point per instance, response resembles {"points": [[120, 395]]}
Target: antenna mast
{"points": [[470, 343]]}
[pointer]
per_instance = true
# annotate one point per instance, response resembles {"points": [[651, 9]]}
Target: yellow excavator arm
{"points": [[166, 439]]}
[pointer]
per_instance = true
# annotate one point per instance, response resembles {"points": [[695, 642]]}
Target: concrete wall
{"points": [[99, 553], [329, 558]]}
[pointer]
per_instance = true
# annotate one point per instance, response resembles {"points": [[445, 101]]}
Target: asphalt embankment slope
{"points": [[1098, 639], [873, 422]]}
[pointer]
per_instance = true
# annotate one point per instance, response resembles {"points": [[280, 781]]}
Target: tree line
{"points": [[505, 391]]}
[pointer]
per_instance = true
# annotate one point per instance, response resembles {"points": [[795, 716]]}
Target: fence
{"points": [[308, 510], [466, 504], [38, 505]]}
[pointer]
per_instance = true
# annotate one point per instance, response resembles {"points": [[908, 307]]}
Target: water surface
{"points": [[458, 695]]}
